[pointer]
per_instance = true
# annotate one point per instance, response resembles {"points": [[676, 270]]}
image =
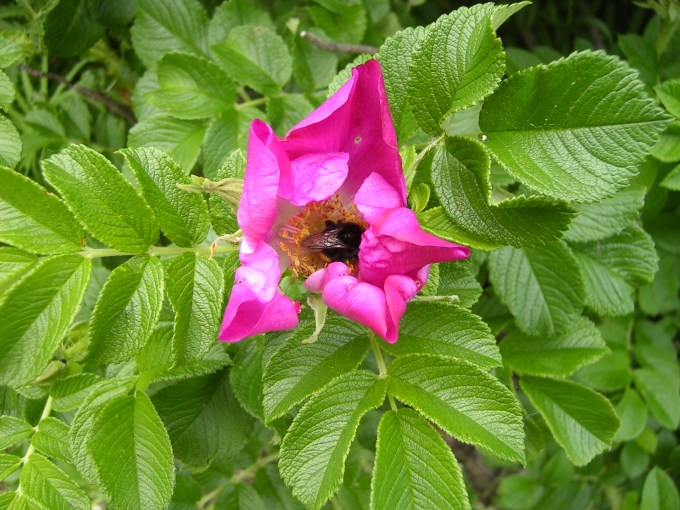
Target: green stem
{"points": [[47, 410], [414, 165], [155, 251], [253, 102], [239, 477], [438, 299], [382, 368]]}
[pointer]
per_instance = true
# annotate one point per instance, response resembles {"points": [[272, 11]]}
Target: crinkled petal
{"points": [[314, 177], [380, 309], [399, 290], [361, 302], [318, 280], [256, 304], [257, 210], [355, 120], [395, 244], [376, 196]]}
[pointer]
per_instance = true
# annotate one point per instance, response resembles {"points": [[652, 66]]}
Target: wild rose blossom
{"points": [[340, 164]]}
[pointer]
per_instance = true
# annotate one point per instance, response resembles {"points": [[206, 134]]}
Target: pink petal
{"points": [[314, 177], [256, 304], [395, 244], [318, 280], [399, 290], [374, 307], [376, 196], [360, 302], [355, 120], [257, 210]]}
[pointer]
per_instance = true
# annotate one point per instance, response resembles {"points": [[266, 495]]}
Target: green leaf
{"points": [[600, 220], [256, 56], [641, 54], [659, 492], [71, 28], [273, 491], [668, 147], [632, 412], [466, 402], [519, 492], [582, 421], [180, 139], [13, 430], [10, 52], [501, 13], [194, 414], [458, 279], [556, 356], [182, 216], [298, 369], [46, 485], [233, 14], [414, 467], [114, 15], [661, 396], [672, 179], [101, 199], [8, 464], [396, 55], [612, 268], [669, 95], [155, 362], [70, 392], [52, 439], [227, 133], [246, 379], [542, 286], [446, 330], [610, 373], [458, 63], [460, 173], [138, 472], [33, 219], [195, 287], [314, 450], [575, 129], [127, 310], [313, 68], [241, 496], [81, 426], [36, 313], [191, 87], [162, 26], [7, 91], [10, 143], [341, 22], [634, 460]]}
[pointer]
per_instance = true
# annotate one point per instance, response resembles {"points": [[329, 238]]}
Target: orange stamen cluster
{"points": [[311, 220]]}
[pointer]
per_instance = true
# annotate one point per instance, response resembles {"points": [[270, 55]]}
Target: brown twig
{"points": [[112, 105], [333, 46]]}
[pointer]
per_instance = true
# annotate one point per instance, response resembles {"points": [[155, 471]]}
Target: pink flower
{"points": [[337, 167]]}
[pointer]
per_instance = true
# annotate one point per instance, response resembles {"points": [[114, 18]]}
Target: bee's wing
{"points": [[323, 240]]}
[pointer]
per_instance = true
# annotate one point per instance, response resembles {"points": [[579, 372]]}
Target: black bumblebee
{"points": [[339, 242]]}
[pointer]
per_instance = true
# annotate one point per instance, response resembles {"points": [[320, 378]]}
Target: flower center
{"points": [[321, 233]]}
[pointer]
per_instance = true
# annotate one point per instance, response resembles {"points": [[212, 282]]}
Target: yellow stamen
{"points": [[311, 220]]}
